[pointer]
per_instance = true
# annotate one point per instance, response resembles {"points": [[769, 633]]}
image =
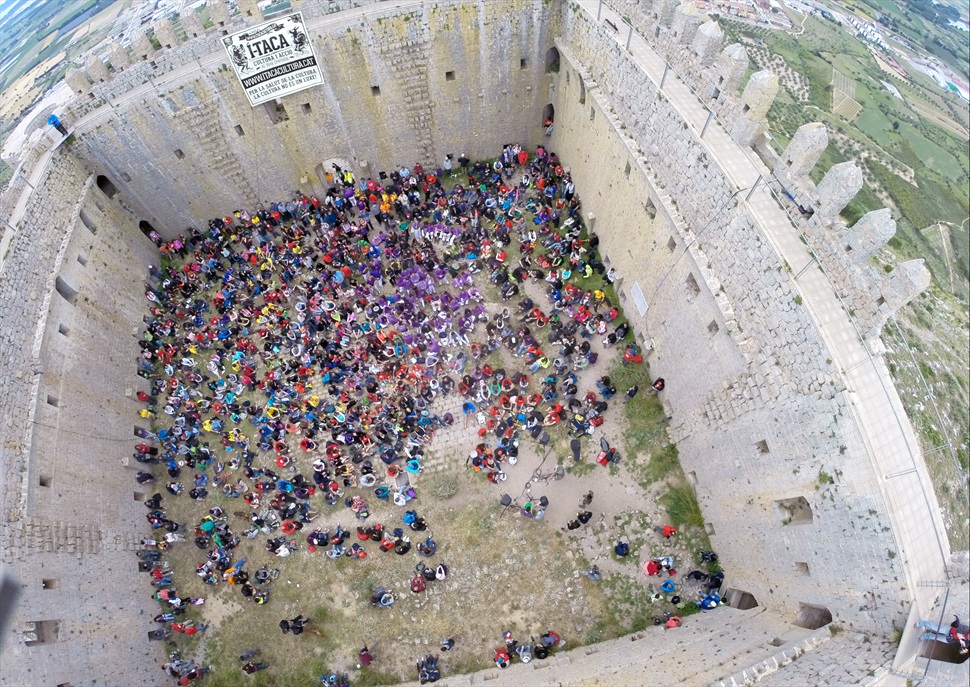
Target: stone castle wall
{"points": [[760, 411], [71, 302], [410, 84]]}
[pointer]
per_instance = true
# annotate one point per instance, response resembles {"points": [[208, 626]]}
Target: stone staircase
{"points": [[420, 116], [43, 535], [204, 120]]}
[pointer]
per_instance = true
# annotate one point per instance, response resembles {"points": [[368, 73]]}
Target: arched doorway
{"points": [[552, 60], [148, 230], [549, 113], [327, 166], [107, 188]]}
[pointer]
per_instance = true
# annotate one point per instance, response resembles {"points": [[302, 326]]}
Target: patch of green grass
{"points": [[662, 463], [444, 486], [681, 505]]}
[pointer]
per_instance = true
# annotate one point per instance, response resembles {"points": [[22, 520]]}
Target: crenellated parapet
{"points": [[687, 20], [96, 69], [707, 42], [117, 56], [845, 253], [164, 31], [756, 100], [141, 46], [191, 23]]}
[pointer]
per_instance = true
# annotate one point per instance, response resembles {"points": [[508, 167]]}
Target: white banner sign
{"points": [[273, 59]]}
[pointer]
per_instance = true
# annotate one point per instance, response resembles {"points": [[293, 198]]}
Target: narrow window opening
{"points": [[63, 329], [523, 63], [740, 600], [880, 301], [126, 177], [52, 401], [67, 292], [713, 328], [239, 130], [375, 91], [179, 154], [86, 221], [50, 583], [592, 114], [717, 94], [627, 170], [306, 108], [812, 617], [762, 446], [82, 259], [45, 480], [745, 108], [582, 92], [671, 244], [795, 511], [449, 76]]}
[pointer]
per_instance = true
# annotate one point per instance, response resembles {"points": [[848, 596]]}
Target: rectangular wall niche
{"points": [[41, 632], [740, 600], [50, 583], [795, 511], [812, 617], [693, 288]]}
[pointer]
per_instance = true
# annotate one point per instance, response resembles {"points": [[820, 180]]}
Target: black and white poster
{"points": [[273, 59]]}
